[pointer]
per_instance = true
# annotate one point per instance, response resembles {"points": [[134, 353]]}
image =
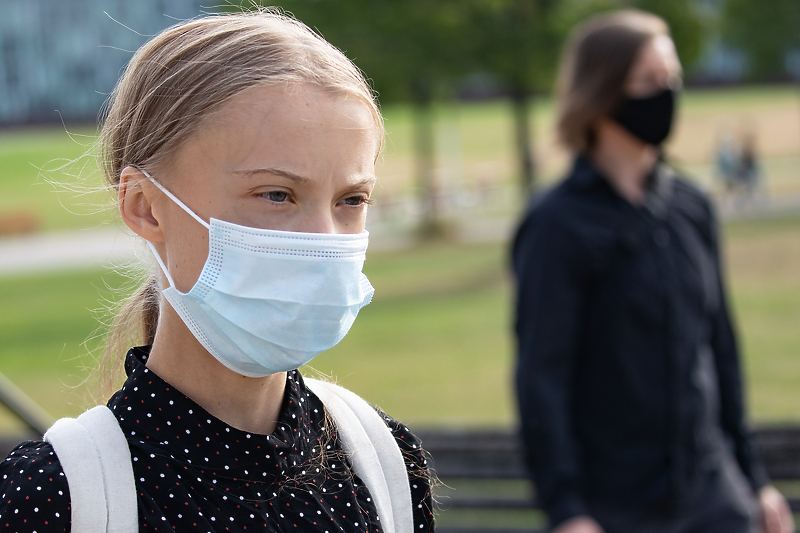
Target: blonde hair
{"points": [[180, 77], [594, 65]]}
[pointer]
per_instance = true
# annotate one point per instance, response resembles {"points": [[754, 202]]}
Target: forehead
{"points": [[298, 105], [657, 54], [303, 130]]}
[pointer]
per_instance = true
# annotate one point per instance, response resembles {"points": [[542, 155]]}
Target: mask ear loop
{"points": [[161, 264], [175, 199], [182, 206]]}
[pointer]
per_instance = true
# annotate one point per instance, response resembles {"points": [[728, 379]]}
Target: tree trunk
{"points": [[425, 159], [522, 101]]}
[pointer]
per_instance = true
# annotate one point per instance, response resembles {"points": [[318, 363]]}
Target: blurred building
{"points": [[718, 63], [63, 57], [59, 59]]}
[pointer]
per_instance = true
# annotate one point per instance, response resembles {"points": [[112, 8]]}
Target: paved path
{"points": [[109, 247], [66, 250]]}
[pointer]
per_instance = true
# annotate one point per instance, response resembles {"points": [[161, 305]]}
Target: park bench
{"points": [[485, 490], [18, 223]]}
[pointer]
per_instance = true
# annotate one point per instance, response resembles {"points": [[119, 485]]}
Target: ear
{"points": [[135, 197]]}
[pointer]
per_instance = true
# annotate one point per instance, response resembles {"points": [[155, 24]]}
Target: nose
{"points": [[674, 82], [318, 220]]}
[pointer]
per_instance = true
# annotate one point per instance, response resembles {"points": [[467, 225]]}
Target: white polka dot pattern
{"points": [[195, 473]]}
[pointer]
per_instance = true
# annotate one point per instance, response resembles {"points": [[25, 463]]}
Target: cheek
{"points": [[349, 220], [187, 250]]}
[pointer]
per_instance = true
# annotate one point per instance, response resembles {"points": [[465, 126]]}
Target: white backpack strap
{"points": [[96, 460], [81, 463], [373, 452]]}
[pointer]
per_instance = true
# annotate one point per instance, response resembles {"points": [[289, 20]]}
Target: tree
{"points": [[416, 51], [684, 22], [517, 41], [764, 30]]}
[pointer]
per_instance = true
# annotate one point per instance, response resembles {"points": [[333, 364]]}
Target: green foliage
{"points": [[408, 48], [517, 40], [684, 22], [413, 49], [765, 30]]}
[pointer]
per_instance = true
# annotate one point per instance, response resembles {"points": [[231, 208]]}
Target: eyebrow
{"points": [[297, 178], [275, 172], [366, 181]]}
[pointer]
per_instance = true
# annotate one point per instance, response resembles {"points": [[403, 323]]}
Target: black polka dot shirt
{"points": [[195, 473]]}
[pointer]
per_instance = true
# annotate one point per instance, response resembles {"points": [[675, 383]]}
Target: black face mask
{"points": [[648, 119]]}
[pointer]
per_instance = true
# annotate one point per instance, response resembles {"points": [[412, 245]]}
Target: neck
{"points": [[624, 160], [249, 404]]}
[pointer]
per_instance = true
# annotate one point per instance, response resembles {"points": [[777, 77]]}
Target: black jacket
{"points": [[628, 375]]}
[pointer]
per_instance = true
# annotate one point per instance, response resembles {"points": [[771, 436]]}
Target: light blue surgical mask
{"points": [[269, 301]]}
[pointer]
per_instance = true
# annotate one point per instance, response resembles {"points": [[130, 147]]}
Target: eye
{"points": [[276, 196], [356, 200]]}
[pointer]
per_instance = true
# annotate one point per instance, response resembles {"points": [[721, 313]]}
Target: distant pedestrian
{"points": [[628, 376], [737, 165], [726, 160], [749, 172]]}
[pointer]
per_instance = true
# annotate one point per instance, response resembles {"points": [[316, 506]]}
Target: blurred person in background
{"points": [[748, 170], [628, 375], [726, 157], [736, 163]]}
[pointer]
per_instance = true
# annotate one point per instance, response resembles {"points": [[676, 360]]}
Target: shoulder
{"points": [[417, 462], [34, 495], [409, 444], [692, 204], [689, 194], [550, 217], [583, 192], [555, 206], [415, 458], [579, 211]]}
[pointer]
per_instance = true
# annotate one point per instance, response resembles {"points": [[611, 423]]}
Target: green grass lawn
{"points": [[434, 348], [474, 142], [51, 174], [764, 275]]}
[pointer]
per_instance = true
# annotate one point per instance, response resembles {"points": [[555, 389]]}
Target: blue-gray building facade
{"points": [[59, 59]]}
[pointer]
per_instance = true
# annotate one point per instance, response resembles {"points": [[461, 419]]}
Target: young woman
{"points": [[243, 151], [628, 375]]}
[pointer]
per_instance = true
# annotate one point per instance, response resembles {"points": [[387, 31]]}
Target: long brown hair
{"points": [[180, 77], [595, 63]]}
